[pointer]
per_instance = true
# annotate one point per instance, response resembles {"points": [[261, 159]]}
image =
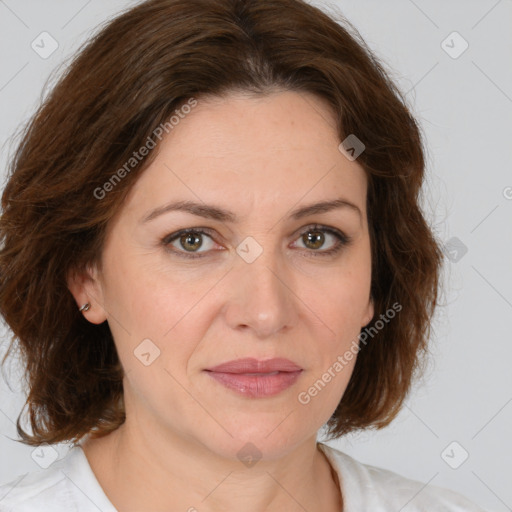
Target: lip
{"points": [[252, 365], [255, 378]]}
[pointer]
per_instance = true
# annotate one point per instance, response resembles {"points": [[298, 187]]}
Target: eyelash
{"points": [[342, 241]]}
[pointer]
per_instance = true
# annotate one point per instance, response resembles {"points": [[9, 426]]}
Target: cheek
{"points": [[157, 323], [138, 296], [323, 389], [341, 298], [342, 306]]}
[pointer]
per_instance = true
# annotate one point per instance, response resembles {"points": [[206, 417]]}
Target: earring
{"points": [[85, 307]]}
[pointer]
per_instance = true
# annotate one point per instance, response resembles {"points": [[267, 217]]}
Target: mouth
{"points": [[256, 379], [256, 366]]}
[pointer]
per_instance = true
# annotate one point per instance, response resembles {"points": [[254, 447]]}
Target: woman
{"points": [[206, 218]]}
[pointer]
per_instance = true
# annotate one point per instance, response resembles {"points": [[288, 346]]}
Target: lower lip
{"points": [[256, 386]]}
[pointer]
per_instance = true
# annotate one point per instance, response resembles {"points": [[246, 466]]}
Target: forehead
{"points": [[247, 126], [252, 151]]}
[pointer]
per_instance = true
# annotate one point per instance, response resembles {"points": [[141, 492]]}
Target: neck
{"points": [[139, 472]]}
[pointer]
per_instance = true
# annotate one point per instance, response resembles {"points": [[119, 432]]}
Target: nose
{"points": [[261, 298]]}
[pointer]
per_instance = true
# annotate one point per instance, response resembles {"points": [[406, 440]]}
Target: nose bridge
{"points": [[262, 300]]}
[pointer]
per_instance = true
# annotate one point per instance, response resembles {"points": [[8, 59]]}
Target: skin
{"points": [[260, 157]]}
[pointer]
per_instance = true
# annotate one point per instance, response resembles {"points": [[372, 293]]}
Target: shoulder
{"points": [[367, 487], [66, 485], [35, 491]]}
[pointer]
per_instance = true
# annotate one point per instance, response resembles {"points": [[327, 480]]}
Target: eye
{"points": [[187, 243], [314, 237]]}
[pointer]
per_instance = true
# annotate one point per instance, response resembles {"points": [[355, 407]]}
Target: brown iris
{"points": [[193, 241], [314, 237]]}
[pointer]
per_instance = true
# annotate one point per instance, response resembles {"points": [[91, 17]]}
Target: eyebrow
{"points": [[216, 213]]}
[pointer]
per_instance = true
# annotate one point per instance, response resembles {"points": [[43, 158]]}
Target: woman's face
{"points": [[253, 280]]}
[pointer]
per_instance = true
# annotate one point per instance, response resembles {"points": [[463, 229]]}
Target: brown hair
{"points": [[126, 81]]}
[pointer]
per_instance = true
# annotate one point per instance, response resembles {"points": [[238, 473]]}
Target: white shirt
{"points": [[69, 485]]}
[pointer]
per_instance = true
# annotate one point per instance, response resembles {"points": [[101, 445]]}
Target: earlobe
{"points": [[370, 312], [88, 294]]}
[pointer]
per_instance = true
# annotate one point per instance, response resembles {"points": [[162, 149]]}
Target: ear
{"points": [[86, 287], [369, 313]]}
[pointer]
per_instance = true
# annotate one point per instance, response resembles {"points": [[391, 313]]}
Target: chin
{"points": [[253, 441]]}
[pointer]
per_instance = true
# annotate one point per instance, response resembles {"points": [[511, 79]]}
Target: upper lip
{"points": [[251, 365]]}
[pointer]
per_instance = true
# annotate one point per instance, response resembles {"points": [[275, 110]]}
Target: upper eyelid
{"points": [[212, 231]]}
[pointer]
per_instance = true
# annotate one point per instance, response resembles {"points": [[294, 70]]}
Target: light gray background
{"points": [[465, 107]]}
